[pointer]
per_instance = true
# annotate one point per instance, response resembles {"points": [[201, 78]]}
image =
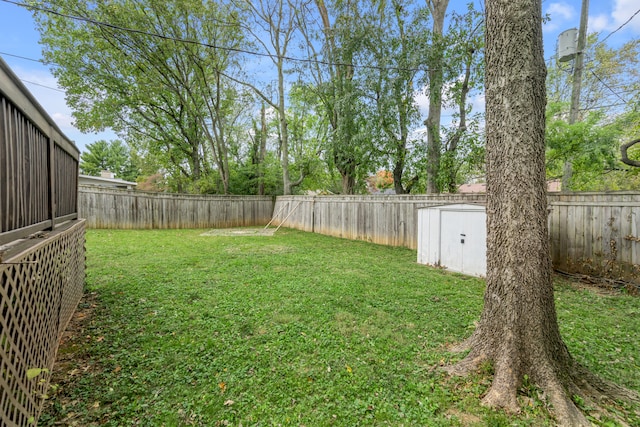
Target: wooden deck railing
{"points": [[41, 278], [38, 165]]}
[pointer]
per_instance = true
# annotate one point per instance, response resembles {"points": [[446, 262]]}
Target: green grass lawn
{"points": [[296, 329]]}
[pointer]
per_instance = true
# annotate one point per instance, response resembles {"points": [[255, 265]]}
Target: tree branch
{"points": [[625, 158]]}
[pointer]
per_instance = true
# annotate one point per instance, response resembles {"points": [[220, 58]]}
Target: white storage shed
{"points": [[455, 237]]}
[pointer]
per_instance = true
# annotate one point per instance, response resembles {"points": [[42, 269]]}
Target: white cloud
{"points": [[599, 23], [559, 15], [421, 98], [561, 11], [64, 121], [622, 11], [478, 103]]}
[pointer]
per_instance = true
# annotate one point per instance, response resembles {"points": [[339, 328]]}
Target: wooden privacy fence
{"points": [[128, 209], [387, 220], [38, 164], [591, 233], [41, 248], [596, 234]]}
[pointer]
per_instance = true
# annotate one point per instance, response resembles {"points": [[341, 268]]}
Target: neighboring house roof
{"points": [[105, 182], [472, 188]]}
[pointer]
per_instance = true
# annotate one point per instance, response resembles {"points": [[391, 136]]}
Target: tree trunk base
{"points": [[558, 391]]}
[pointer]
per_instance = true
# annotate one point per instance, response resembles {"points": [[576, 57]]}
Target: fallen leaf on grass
{"points": [[223, 386], [229, 402]]}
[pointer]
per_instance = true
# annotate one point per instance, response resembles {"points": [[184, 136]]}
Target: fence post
{"points": [[52, 181]]}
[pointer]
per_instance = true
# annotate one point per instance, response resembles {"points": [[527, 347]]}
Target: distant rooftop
{"points": [[105, 181]]}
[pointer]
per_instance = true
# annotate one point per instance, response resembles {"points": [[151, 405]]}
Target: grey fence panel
{"points": [[596, 234], [590, 233], [387, 220], [104, 207]]}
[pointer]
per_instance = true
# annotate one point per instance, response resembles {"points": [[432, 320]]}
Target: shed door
{"points": [[451, 248], [463, 241]]}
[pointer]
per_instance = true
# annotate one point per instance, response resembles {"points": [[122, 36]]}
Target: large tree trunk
{"points": [[438, 9], [284, 130], [518, 331], [348, 183], [263, 149]]}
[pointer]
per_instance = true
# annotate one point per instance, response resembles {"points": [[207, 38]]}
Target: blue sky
{"points": [[19, 37]]}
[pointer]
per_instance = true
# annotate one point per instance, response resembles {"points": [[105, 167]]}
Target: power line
{"points": [[208, 45], [607, 86], [44, 86], [42, 61], [34, 60], [620, 27]]}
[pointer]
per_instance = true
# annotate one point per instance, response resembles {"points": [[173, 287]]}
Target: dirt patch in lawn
{"points": [[240, 232]]}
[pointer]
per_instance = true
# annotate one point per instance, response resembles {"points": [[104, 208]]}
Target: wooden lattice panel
{"points": [[40, 288]]}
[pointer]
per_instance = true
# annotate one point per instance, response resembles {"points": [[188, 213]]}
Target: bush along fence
{"points": [[594, 234], [41, 248]]}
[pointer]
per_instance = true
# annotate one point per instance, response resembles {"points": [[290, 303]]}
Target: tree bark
{"points": [[438, 9], [625, 157], [263, 148], [518, 330]]}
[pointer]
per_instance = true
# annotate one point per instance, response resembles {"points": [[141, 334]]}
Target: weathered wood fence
{"points": [[41, 248], [596, 234], [591, 233], [128, 209], [387, 220]]}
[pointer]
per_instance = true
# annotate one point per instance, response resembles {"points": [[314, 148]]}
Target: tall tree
{"points": [[395, 51], [339, 32], [518, 330], [150, 73], [438, 9], [461, 141], [611, 77], [273, 26], [609, 87], [590, 144], [259, 148], [114, 156]]}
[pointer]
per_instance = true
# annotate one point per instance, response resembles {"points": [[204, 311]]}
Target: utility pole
{"points": [[577, 83]]}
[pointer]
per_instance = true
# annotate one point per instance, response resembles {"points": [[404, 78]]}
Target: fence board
{"points": [[590, 233], [127, 209]]}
